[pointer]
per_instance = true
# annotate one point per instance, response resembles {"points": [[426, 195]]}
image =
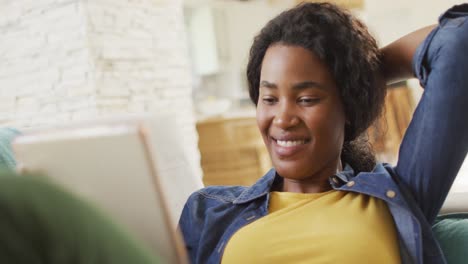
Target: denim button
{"points": [[391, 194], [350, 184]]}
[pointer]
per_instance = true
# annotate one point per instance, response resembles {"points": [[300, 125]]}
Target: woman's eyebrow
{"points": [[267, 84], [308, 85], [297, 86]]}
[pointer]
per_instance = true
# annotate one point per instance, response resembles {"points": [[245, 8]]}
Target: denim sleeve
{"points": [[436, 141], [187, 228]]}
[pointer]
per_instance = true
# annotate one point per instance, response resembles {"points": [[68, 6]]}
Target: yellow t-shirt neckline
{"points": [[280, 200], [327, 227]]}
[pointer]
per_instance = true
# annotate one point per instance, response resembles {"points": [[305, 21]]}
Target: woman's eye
{"points": [[308, 100], [268, 100]]}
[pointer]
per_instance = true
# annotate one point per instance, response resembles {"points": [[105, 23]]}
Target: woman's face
{"points": [[300, 114]]}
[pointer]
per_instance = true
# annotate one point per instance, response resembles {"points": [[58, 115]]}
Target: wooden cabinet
{"points": [[232, 151]]}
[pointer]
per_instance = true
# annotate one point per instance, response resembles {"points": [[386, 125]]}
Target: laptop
{"points": [[134, 168]]}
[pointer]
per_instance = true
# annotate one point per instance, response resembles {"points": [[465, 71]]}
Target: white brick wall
{"points": [[63, 60], [43, 57]]}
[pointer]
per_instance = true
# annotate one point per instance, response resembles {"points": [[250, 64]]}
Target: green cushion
{"points": [[452, 232], [41, 223]]}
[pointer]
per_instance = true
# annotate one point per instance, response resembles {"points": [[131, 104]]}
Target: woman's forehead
{"points": [[293, 64]]}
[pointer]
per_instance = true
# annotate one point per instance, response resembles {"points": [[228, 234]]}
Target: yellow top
{"points": [[329, 227]]}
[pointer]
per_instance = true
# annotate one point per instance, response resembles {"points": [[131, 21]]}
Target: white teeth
{"points": [[290, 143]]}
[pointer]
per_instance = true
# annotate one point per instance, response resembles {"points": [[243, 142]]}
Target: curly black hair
{"points": [[352, 55]]}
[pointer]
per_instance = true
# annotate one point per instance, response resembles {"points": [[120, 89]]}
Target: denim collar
{"points": [[259, 189], [263, 186]]}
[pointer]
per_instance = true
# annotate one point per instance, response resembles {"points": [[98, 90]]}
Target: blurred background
{"points": [[66, 60], [220, 34]]}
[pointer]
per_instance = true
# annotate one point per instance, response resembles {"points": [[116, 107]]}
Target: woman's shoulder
{"points": [[213, 198], [223, 194], [226, 196]]}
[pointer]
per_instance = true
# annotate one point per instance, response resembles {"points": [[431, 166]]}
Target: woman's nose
{"points": [[286, 117]]}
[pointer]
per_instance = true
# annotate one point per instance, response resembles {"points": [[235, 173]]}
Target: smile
{"points": [[288, 147], [290, 143]]}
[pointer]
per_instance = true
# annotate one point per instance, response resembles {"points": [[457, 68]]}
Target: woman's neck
{"points": [[314, 184], [300, 186]]}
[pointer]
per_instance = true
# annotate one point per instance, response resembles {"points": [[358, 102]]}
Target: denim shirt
{"points": [[433, 149]]}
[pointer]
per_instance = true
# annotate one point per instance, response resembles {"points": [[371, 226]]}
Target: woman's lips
{"points": [[288, 147]]}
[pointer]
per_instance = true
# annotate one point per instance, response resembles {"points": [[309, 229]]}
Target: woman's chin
{"points": [[290, 171]]}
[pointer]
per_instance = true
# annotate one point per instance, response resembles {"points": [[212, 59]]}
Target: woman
{"points": [[317, 79]]}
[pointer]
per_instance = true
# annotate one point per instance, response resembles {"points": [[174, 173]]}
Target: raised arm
{"points": [[436, 141], [397, 57]]}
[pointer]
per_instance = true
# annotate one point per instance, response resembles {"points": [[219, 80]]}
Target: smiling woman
{"points": [[317, 79], [301, 117], [346, 54]]}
